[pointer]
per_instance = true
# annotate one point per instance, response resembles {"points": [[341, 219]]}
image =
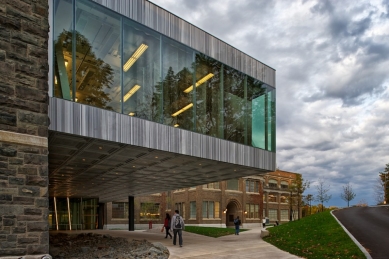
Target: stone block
{"points": [[13, 252], [16, 57], [37, 226], [37, 249], [7, 244], [33, 159], [22, 15], [32, 211], [3, 237], [10, 23], [15, 161], [28, 93], [37, 181], [7, 172], [34, 29], [43, 171], [7, 119], [33, 117], [30, 71], [30, 150], [19, 230], [42, 202], [264, 233], [8, 222], [32, 191], [28, 170], [11, 191], [7, 151], [3, 164], [16, 180], [23, 200], [29, 218], [12, 238], [26, 105], [6, 88], [5, 197], [28, 240]]}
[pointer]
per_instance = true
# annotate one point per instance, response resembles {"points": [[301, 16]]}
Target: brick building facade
{"points": [[251, 198]]}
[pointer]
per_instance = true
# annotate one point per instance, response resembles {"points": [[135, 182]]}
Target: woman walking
{"points": [[167, 225]]}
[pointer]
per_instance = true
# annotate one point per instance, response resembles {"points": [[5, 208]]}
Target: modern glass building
{"points": [[109, 61], [141, 101]]}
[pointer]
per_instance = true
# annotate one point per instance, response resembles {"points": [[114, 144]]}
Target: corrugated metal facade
{"points": [[174, 27], [74, 118]]}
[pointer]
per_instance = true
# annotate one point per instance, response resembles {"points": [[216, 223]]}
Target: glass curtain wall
{"points": [[109, 61], [80, 212]]}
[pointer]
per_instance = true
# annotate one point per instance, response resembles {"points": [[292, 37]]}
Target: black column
{"points": [[131, 218], [101, 216]]}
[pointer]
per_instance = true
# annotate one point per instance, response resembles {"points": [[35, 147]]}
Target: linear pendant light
{"points": [[200, 82], [131, 92], [142, 48], [183, 109]]}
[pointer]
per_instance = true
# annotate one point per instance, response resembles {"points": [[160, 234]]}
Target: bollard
{"points": [[150, 224]]}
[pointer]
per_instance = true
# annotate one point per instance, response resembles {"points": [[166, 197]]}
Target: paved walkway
{"points": [[248, 244]]}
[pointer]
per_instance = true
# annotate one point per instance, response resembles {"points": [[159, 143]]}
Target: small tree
{"points": [[384, 176], [322, 193], [308, 200], [379, 191], [298, 187], [348, 194]]}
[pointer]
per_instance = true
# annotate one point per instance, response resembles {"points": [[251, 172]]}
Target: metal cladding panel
{"points": [[78, 119], [176, 28]]}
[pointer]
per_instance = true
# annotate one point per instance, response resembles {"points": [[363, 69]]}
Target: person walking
{"points": [[177, 224], [166, 224], [237, 223]]}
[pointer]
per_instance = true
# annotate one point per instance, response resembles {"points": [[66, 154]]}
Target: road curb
{"points": [[368, 256]]}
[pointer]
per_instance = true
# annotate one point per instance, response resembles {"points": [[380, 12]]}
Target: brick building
{"points": [[252, 198]]}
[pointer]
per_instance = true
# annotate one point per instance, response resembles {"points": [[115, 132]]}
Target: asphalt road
{"points": [[370, 226]]}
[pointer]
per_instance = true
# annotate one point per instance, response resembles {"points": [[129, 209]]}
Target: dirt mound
{"points": [[90, 245]]}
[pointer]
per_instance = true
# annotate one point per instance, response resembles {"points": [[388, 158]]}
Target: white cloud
{"points": [[331, 59]]}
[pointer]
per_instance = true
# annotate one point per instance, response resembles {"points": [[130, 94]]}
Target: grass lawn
{"points": [[315, 236], [211, 231]]}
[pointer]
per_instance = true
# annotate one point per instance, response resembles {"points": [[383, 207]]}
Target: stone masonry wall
{"points": [[24, 128]]}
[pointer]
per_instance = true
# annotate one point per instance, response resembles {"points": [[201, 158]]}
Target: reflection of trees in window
{"points": [[93, 75], [149, 210]]}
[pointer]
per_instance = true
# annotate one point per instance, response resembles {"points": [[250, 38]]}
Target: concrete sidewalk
{"points": [[248, 244]]}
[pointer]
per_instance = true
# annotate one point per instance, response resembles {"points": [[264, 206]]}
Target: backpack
{"points": [[236, 221], [177, 222]]}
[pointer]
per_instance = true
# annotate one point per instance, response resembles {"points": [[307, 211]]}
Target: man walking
{"points": [[177, 224], [237, 223]]}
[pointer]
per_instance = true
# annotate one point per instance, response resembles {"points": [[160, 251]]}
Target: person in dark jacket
{"points": [[237, 223], [177, 225], [166, 224]]}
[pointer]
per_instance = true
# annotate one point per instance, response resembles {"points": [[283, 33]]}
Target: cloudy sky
{"points": [[332, 62]]}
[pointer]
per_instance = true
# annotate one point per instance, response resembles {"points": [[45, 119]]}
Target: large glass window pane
{"points": [[256, 111], [142, 72], [271, 117], [98, 64], [62, 45], [211, 209], [120, 210], [177, 67], [234, 106], [149, 211], [205, 209], [217, 209], [209, 102], [193, 210]]}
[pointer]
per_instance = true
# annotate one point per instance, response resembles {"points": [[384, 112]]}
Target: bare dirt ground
{"points": [[93, 246]]}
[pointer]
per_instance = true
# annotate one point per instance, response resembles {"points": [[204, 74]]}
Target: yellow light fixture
{"points": [[183, 109], [176, 125], [131, 92], [131, 113], [55, 80], [142, 48], [200, 82], [66, 63]]}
